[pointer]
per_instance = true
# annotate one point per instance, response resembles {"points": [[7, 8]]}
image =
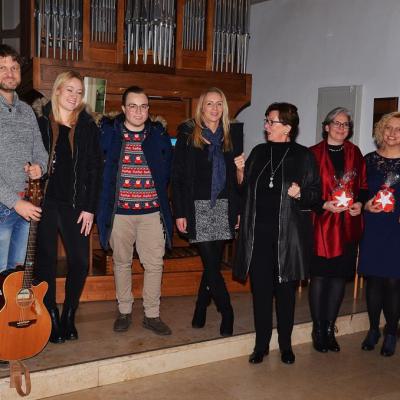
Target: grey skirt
{"points": [[211, 223]]}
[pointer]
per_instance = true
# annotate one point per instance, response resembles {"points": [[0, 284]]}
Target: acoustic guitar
{"points": [[25, 323]]}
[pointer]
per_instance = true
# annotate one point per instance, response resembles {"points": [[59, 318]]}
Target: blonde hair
{"points": [[381, 125], [58, 83], [197, 138]]}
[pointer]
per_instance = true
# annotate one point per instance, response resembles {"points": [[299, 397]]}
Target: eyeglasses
{"points": [[271, 122], [344, 125], [137, 107]]}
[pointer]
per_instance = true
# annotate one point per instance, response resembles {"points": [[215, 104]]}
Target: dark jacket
{"points": [[87, 159], [158, 152], [295, 241], [183, 174]]}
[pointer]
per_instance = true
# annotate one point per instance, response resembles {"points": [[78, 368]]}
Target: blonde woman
{"points": [[379, 247], [205, 198], [71, 138]]}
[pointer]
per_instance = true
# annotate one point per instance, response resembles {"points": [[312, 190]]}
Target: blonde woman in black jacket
{"points": [[71, 138], [205, 198]]}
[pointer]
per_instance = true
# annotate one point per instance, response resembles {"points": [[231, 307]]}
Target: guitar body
{"points": [[25, 323]]}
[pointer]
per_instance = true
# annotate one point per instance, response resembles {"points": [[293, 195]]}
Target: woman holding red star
{"points": [[378, 249], [337, 224]]}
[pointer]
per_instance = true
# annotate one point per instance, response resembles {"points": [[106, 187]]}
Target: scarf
{"points": [[216, 156]]}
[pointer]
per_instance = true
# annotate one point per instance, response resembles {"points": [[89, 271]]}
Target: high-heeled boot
{"points": [[68, 323], [319, 337], [226, 328], [57, 333], [199, 316], [200, 312], [333, 345]]}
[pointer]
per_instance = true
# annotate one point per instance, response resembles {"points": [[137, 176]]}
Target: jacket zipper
{"points": [[255, 213], [121, 154], [279, 230]]}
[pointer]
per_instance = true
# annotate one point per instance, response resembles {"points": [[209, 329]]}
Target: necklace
{"points": [[335, 150], [273, 171]]}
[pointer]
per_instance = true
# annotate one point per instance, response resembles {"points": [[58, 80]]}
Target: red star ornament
{"points": [[343, 198], [385, 200]]}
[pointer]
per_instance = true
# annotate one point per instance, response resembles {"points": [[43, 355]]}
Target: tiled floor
{"points": [[351, 374], [98, 341]]}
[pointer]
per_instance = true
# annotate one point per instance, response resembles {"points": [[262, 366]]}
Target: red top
{"points": [[333, 231]]}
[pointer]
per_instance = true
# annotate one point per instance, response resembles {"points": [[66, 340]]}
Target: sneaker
{"points": [[156, 325], [122, 323]]}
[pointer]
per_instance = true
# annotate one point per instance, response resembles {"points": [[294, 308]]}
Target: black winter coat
{"points": [[295, 241], [87, 159], [183, 174]]}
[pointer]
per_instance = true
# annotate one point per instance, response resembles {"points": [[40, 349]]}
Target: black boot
{"points": [[226, 328], [389, 345], [319, 338], [200, 312], [57, 333], [199, 316], [68, 323], [333, 345], [371, 340]]}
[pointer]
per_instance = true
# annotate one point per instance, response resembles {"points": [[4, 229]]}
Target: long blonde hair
{"points": [[58, 83], [198, 140]]}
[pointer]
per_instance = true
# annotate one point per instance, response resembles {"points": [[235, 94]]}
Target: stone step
{"points": [[77, 377]]}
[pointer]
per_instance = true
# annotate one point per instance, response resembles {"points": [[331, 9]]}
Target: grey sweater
{"points": [[20, 142]]}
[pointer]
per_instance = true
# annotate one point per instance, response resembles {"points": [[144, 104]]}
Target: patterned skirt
{"points": [[211, 223]]}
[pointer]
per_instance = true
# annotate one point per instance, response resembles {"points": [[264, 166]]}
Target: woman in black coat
{"points": [[280, 185], [71, 138], [205, 198]]}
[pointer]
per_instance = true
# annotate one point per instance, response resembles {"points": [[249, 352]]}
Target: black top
{"points": [[61, 178], [203, 176], [337, 157], [269, 198]]}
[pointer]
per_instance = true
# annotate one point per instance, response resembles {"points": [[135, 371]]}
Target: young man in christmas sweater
{"points": [[134, 208]]}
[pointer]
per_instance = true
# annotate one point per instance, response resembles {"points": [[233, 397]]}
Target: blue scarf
{"points": [[216, 156]]}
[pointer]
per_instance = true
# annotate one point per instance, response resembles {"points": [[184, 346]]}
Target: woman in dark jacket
{"points": [[280, 185], [205, 198], [379, 246], [71, 138]]}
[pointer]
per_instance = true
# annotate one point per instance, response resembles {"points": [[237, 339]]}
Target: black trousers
{"points": [[59, 217], [212, 283], [265, 286]]}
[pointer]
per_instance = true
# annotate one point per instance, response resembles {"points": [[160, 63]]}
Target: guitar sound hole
{"points": [[25, 298]]}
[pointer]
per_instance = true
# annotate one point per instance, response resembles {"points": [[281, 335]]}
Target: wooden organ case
{"points": [[174, 49]]}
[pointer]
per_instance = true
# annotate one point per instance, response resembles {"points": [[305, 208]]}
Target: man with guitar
{"points": [[22, 156]]}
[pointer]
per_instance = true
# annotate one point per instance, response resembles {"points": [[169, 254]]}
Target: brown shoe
{"points": [[156, 325], [122, 323]]}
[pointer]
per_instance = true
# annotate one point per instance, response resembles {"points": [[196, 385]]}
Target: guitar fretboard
{"points": [[30, 256]]}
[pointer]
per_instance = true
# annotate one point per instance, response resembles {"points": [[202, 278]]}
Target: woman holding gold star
{"points": [[337, 224]]}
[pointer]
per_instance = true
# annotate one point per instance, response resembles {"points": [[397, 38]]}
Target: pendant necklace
{"points": [[273, 171]]}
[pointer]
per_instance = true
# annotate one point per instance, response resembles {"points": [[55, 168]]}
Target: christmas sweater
{"points": [[136, 194]]}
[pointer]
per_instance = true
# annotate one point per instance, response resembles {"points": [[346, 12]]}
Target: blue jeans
{"points": [[14, 231]]}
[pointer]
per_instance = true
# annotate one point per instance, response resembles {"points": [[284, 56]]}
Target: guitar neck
{"points": [[30, 256]]}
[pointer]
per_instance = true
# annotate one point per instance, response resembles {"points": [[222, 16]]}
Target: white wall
{"points": [[298, 46]]}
